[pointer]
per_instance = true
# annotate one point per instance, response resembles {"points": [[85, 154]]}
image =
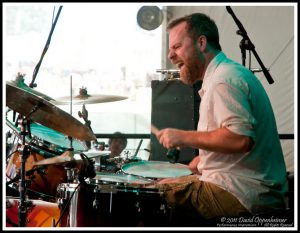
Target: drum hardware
{"points": [[87, 169], [25, 151], [40, 170], [109, 188], [169, 74], [71, 174], [40, 213], [84, 115], [28, 206], [64, 201], [137, 150]]}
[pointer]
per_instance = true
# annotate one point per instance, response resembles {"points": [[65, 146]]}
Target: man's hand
{"points": [[193, 165]]}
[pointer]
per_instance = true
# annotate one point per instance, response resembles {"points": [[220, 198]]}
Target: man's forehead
{"points": [[178, 32]]}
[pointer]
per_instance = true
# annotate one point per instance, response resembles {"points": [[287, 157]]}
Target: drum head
{"points": [[55, 138], [156, 169], [120, 178]]}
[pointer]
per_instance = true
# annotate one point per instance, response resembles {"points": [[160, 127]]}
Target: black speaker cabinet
{"points": [[174, 105]]}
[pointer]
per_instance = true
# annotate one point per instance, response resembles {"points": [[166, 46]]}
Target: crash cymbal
{"points": [[19, 82], [85, 98], [40, 110]]}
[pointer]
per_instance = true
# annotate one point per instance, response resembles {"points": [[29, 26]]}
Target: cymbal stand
{"points": [[70, 169], [84, 114], [25, 149]]}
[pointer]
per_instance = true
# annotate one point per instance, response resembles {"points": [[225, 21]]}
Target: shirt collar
{"points": [[210, 69]]}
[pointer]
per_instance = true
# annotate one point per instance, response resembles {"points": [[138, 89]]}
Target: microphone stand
{"points": [[23, 204], [32, 84], [25, 149], [247, 44]]}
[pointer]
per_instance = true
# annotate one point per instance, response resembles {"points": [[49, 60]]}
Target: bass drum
{"points": [[40, 213]]}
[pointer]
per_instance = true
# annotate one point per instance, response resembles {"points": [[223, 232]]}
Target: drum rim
{"points": [[130, 181], [136, 164]]}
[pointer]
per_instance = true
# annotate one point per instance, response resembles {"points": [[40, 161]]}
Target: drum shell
{"points": [[40, 214], [40, 183], [113, 205]]}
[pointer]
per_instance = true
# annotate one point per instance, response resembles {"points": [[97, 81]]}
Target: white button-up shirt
{"points": [[232, 97]]}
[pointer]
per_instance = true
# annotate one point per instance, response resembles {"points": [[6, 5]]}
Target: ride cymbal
{"points": [[85, 98], [40, 110]]}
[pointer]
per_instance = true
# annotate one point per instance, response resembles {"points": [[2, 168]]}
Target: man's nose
{"points": [[171, 55]]}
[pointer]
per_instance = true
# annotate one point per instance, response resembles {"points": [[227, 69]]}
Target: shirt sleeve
{"points": [[232, 108]]}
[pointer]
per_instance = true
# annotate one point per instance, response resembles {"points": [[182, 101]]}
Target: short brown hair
{"points": [[200, 24], [120, 136]]}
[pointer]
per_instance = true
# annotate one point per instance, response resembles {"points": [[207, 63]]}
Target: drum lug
{"points": [[96, 202], [60, 202], [162, 208], [137, 204], [138, 207]]}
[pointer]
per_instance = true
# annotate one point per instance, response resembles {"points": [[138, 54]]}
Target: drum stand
{"points": [[25, 149]]}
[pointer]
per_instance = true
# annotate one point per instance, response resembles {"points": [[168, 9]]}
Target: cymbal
{"points": [[85, 98], [21, 84], [40, 110], [65, 158], [95, 154], [69, 157]]}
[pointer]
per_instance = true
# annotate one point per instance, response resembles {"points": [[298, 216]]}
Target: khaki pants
{"points": [[190, 194]]}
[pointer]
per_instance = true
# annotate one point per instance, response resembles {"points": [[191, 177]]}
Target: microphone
{"points": [[89, 169], [173, 154]]}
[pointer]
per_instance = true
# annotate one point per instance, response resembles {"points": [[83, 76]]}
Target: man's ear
{"points": [[202, 43]]}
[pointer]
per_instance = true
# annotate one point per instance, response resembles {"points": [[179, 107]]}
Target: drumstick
{"points": [[154, 130]]}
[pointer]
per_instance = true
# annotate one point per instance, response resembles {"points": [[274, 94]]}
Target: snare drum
{"points": [[156, 169]]}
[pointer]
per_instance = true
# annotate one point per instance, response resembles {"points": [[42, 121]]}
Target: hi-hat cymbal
{"points": [[40, 110], [85, 98], [92, 154], [66, 158]]}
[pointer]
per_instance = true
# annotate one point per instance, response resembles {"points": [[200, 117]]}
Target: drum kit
{"points": [[52, 172]]}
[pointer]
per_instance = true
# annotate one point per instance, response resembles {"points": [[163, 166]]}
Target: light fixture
{"points": [[149, 17]]}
